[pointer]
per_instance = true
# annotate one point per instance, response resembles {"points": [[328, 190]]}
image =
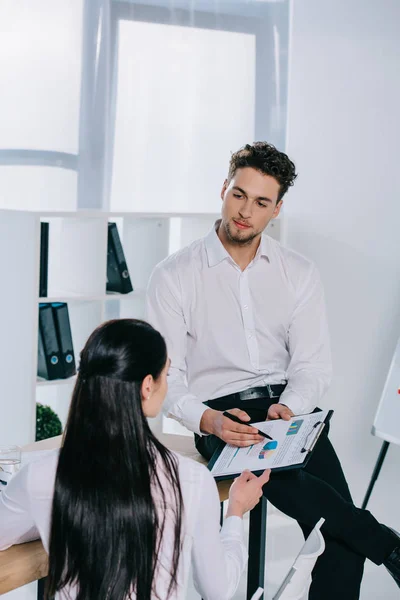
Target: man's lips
{"points": [[241, 225]]}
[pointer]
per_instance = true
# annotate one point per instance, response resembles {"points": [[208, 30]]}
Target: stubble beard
{"points": [[236, 238]]}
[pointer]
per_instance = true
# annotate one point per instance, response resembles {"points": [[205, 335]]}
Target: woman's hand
{"points": [[245, 492]]}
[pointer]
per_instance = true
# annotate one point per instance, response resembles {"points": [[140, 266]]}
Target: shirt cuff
{"points": [[293, 401], [189, 413], [233, 526], [195, 416]]}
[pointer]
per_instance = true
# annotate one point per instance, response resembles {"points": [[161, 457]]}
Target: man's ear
{"points": [[224, 187], [277, 209]]}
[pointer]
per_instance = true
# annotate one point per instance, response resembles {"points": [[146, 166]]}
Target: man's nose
{"points": [[245, 209]]}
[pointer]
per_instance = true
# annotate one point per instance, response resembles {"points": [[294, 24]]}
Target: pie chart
{"points": [[268, 449]]}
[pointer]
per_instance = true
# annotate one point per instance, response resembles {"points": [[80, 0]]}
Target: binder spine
{"points": [[117, 269], [49, 358], [44, 258], [64, 336]]}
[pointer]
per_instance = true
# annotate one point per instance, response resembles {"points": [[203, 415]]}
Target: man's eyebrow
{"points": [[236, 187], [259, 198]]}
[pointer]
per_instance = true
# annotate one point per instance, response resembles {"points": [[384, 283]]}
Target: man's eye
{"points": [[238, 195], [261, 204]]}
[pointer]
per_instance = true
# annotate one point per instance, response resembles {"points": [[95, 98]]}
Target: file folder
{"points": [[64, 336], [49, 358], [118, 279], [44, 258]]}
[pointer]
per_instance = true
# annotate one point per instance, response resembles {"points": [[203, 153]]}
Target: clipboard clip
{"points": [[321, 425]]}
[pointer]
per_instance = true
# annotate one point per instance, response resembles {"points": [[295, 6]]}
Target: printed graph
{"points": [[268, 449], [294, 427]]}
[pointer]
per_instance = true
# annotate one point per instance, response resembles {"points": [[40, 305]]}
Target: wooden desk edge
{"points": [[22, 564], [25, 563]]}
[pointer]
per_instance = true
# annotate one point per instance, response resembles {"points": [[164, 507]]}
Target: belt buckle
{"points": [[246, 395], [271, 393]]}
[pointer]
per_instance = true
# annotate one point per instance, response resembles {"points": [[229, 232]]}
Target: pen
{"points": [[237, 420]]}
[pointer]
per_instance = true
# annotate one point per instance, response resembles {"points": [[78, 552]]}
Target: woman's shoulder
{"points": [[191, 471], [198, 489], [41, 472]]}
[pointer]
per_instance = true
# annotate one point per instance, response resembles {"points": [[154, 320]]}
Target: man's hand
{"points": [[279, 411], [213, 421]]}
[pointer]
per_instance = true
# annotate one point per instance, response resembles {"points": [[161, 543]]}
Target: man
{"points": [[244, 320]]}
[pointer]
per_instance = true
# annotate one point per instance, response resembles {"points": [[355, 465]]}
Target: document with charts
{"points": [[290, 447]]}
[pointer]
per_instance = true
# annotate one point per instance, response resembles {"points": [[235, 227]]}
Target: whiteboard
{"points": [[387, 419]]}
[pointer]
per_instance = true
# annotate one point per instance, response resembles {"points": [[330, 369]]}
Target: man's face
{"points": [[249, 203]]}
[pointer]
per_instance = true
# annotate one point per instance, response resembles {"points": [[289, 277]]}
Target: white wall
{"points": [[344, 211]]}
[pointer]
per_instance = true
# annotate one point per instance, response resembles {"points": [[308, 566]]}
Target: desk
{"points": [[25, 563]]}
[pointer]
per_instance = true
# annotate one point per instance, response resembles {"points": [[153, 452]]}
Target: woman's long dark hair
{"points": [[106, 530]]}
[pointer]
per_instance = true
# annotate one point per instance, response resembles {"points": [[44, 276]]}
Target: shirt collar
{"points": [[216, 252], [263, 248]]}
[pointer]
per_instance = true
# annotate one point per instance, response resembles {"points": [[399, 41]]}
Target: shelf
{"points": [[55, 382], [101, 214], [94, 298], [77, 269], [139, 293]]}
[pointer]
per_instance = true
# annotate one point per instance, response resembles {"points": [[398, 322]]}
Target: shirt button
{"points": [[250, 336], [245, 307]]}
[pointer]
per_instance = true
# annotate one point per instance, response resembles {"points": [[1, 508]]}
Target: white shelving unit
{"points": [[77, 275]]}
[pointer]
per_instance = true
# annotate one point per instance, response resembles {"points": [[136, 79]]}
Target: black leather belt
{"points": [[265, 391]]}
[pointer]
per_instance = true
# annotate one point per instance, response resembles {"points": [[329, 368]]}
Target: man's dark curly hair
{"points": [[268, 160]]}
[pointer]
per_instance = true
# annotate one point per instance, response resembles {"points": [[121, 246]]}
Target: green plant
{"points": [[48, 423]]}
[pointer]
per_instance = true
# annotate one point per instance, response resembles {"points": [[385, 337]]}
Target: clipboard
{"points": [[300, 448]]}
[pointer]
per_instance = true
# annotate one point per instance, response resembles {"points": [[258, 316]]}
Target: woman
{"points": [[120, 515]]}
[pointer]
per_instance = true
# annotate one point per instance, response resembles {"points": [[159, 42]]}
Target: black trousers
{"points": [[320, 490]]}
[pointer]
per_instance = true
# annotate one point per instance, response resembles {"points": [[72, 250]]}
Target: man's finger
{"points": [[243, 416], [286, 414], [244, 437], [240, 443], [279, 411], [238, 428], [273, 413]]}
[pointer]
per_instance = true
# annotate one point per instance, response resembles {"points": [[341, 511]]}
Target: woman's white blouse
{"points": [[217, 557]]}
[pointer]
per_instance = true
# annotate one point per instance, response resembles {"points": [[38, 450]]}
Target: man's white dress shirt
{"points": [[217, 557], [228, 330]]}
